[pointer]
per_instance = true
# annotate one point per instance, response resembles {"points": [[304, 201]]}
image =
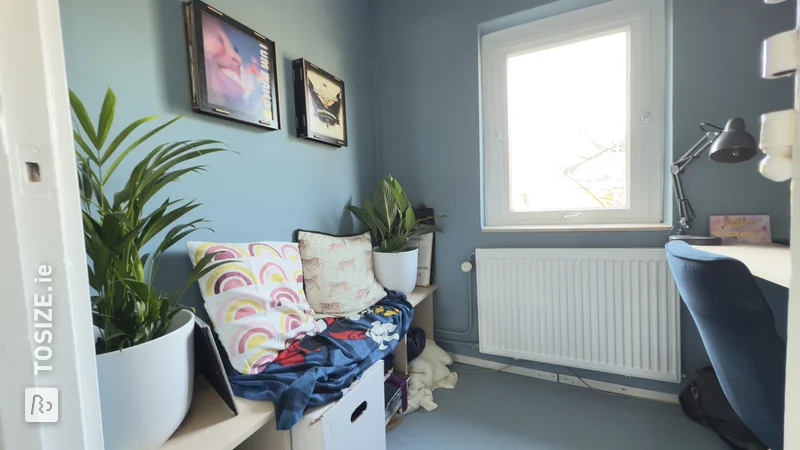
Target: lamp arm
{"points": [[685, 209], [696, 150], [684, 206]]}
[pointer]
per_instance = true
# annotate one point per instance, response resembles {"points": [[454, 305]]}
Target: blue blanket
{"points": [[314, 370]]}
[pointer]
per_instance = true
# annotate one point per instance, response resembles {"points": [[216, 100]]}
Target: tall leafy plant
{"points": [[117, 226], [390, 217]]}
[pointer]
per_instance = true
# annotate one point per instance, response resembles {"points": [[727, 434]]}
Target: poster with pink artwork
{"points": [[742, 229]]}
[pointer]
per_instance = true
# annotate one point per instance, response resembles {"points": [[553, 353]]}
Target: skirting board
{"points": [[569, 379]]}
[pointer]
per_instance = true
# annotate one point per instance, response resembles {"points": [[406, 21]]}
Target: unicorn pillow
{"points": [[256, 301]]}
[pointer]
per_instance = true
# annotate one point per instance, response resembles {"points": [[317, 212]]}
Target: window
{"points": [[573, 113]]}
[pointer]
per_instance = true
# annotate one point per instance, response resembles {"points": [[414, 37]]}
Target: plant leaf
{"points": [[177, 233], [365, 217], [87, 151], [196, 274], [182, 147], [394, 245], [106, 118], [385, 204], [155, 226], [115, 143], [130, 148], [410, 219], [399, 195], [165, 166], [383, 230], [83, 117], [85, 181], [425, 229]]}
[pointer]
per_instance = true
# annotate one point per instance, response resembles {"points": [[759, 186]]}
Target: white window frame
{"points": [[646, 25]]}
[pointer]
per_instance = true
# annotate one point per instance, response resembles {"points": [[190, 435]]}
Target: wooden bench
{"points": [[210, 424]]}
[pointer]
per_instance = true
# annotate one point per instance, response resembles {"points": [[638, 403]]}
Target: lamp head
{"points": [[734, 144]]}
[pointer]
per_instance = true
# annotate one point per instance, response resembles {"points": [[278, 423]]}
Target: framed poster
{"points": [[320, 106], [232, 68]]}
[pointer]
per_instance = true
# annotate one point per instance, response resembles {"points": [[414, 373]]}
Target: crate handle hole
{"points": [[358, 412]]}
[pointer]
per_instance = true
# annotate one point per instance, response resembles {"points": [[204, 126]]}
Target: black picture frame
{"points": [[232, 68], [318, 119]]}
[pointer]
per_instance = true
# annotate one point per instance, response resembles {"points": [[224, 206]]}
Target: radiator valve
{"points": [[466, 267]]}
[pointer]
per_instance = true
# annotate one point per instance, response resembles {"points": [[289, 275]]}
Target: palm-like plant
{"points": [[390, 217], [126, 307]]}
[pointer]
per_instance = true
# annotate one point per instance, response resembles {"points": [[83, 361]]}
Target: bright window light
{"points": [[573, 110], [568, 126]]}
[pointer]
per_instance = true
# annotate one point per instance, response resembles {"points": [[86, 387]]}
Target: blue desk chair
{"points": [[738, 331]]}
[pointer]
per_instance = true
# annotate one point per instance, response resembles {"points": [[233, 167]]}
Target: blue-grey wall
{"points": [[427, 90], [277, 183], [423, 113]]}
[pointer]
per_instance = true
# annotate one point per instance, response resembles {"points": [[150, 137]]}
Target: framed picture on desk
{"points": [[742, 229]]}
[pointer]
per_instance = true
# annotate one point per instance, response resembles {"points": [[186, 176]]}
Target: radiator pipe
{"points": [[471, 325]]}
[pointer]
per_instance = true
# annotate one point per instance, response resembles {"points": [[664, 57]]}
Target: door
{"points": [[46, 334], [779, 137], [792, 417]]}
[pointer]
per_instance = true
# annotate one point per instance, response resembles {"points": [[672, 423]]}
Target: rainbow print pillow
{"points": [[338, 273], [256, 302]]}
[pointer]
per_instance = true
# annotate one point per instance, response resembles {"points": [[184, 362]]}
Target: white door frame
{"points": [[41, 226], [792, 416]]}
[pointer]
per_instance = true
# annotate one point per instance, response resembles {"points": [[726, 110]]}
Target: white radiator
{"points": [[611, 310]]}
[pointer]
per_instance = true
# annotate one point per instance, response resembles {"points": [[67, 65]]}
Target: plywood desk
{"points": [[770, 262]]}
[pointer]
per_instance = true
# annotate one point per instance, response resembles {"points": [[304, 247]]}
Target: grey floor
{"points": [[501, 411]]}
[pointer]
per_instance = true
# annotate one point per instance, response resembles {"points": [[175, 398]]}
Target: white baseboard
{"points": [[619, 389], [532, 373], [569, 379]]}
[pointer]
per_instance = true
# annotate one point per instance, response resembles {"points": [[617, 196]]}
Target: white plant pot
{"points": [[146, 390], [396, 271]]}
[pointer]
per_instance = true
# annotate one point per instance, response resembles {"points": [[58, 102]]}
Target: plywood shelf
{"points": [[421, 293], [211, 425], [422, 301]]}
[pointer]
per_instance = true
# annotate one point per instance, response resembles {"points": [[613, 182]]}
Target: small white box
{"points": [[355, 422]]}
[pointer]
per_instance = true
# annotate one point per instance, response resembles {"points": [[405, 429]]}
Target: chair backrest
{"points": [[738, 330]]}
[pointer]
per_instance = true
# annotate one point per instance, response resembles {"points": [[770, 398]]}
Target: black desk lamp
{"points": [[730, 145]]}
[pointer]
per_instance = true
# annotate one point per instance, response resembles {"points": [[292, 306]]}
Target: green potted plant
{"points": [[392, 221], [145, 359]]}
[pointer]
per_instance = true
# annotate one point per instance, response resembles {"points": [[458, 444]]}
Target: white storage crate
{"points": [[355, 422]]}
